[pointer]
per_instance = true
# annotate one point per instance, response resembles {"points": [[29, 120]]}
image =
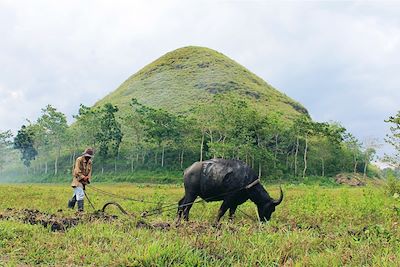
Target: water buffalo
{"points": [[232, 181]]}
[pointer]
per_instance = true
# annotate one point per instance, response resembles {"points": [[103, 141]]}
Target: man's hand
{"points": [[86, 179]]}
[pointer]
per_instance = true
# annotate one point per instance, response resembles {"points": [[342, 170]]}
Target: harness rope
{"points": [[121, 197], [220, 195], [248, 216], [162, 208], [90, 202]]}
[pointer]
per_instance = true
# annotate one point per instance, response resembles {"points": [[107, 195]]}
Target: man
{"points": [[81, 173]]}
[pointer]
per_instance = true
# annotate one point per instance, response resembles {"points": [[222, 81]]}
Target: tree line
{"points": [[152, 138]]}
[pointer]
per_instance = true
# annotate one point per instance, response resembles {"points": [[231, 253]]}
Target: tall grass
{"points": [[314, 226]]}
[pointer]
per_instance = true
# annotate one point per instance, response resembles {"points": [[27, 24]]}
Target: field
{"points": [[314, 226]]}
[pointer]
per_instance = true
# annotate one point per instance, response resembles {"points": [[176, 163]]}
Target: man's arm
{"points": [[89, 176], [78, 171]]}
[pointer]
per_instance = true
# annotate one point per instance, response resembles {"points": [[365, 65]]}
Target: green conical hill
{"points": [[181, 79]]}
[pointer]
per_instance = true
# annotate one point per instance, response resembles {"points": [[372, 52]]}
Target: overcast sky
{"points": [[341, 60]]}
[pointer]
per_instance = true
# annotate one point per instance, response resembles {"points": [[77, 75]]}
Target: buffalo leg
{"points": [[224, 207], [188, 202], [232, 212], [180, 209]]}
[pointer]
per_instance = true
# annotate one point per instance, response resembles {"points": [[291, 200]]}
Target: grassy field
{"points": [[314, 226]]}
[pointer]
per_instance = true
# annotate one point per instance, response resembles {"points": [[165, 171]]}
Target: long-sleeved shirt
{"points": [[81, 169]]}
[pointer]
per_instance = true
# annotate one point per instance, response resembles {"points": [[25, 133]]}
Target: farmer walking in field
{"points": [[82, 172]]}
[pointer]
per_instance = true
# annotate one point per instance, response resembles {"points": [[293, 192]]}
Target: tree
{"points": [[133, 142], [354, 146], [98, 127], [276, 128], [54, 125], [370, 145], [5, 147], [188, 139], [305, 128], [23, 141], [294, 134], [326, 143], [225, 126], [394, 140], [320, 147], [161, 127], [213, 123], [87, 126], [109, 135], [41, 144]]}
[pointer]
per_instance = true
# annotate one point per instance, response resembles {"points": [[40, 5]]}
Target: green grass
{"points": [[139, 176], [185, 77], [158, 177], [314, 226]]}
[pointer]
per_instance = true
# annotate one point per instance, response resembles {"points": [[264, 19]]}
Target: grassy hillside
{"points": [[184, 77]]}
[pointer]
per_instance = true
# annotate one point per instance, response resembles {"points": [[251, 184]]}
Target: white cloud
{"points": [[340, 59]]}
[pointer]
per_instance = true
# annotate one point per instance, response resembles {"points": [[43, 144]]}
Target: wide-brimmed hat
{"points": [[88, 153]]}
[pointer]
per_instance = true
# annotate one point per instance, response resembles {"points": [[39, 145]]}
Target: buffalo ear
{"points": [[277, 202]]}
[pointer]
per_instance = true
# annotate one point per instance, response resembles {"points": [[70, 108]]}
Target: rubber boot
{"points": [[80, 205], [71, 202]]}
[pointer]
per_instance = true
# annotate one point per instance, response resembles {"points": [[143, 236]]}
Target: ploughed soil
{"points": [[57, 221], [158, 225], [60, 222]]}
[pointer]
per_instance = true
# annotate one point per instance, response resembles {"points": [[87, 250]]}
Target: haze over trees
{"points": [[24, 141], [147, 138], [394, 139], [5, 148]]}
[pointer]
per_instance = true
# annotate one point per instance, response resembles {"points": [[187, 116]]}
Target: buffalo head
{"points": [[265, 211]]}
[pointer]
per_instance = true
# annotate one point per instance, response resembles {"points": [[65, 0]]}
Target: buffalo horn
{"points": [[277, 202]]}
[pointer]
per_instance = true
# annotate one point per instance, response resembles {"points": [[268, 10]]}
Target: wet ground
{"points": [[60, 222], [56, 221], [158, 225]]}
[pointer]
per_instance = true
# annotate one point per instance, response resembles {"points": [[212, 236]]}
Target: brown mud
{"points": [[159, 225], [60, 222], [57, 221]]}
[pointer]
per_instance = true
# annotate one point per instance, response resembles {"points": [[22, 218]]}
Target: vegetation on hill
{"points": [[184, 78]]}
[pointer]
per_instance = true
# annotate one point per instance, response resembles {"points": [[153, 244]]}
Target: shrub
{"points": [[392, 185]]}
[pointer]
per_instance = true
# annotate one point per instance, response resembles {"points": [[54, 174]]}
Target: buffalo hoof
{"points": [[216, 225]]}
